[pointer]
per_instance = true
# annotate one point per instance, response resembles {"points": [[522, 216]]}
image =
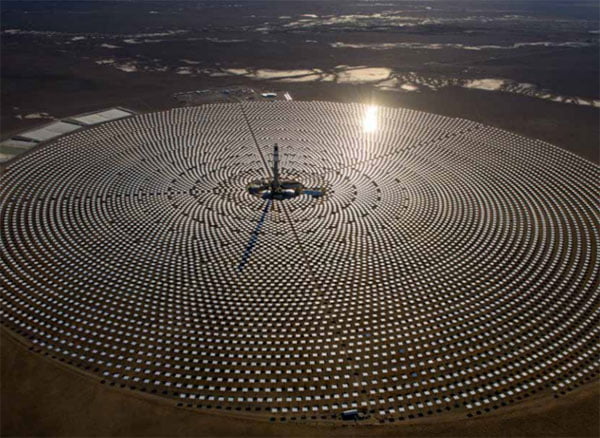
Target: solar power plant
{"points": [[447, 267]]}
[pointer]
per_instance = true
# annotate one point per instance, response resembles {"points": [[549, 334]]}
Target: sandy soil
{"points": [[41, 397], [59, 75]]}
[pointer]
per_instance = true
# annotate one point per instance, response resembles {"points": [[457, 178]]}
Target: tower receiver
{"points": [[275, 183], [277, 188]]}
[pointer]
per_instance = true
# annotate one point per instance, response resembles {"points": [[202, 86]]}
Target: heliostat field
{"points": [[448, 267]]}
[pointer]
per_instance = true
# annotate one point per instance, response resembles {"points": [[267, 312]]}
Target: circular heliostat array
{"points": [[447, 267]]}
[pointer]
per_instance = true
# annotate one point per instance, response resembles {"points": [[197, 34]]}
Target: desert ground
{"points": [[527, 68]]}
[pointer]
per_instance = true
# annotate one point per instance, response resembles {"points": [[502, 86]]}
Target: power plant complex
{"points": [[306, 261]]}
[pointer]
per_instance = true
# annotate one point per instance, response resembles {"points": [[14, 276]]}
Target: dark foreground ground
{"points": [[65, 58], [52, 399]]}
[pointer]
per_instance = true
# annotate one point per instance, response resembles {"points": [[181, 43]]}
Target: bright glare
{"points": [[370, 120]]}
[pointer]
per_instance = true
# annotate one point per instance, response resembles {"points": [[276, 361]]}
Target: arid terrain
{"points": [[530, 67], [99, 410]]}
